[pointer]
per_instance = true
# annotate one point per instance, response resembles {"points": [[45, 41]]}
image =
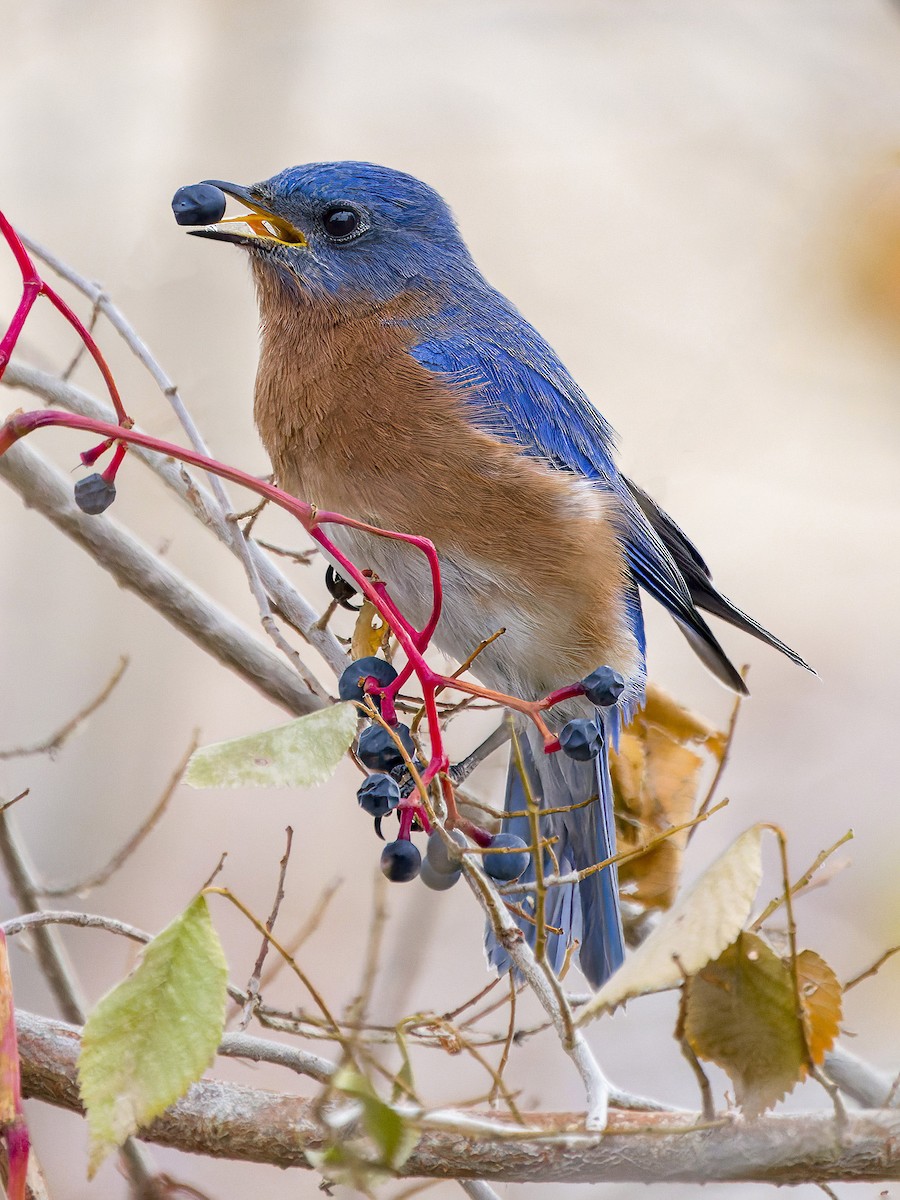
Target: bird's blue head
{"points": [[347, 229]]}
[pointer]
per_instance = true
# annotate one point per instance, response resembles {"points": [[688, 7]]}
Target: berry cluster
{"points": [[389, 788]]}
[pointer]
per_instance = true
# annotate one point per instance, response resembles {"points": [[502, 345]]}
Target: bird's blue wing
{"points": [[515, 388]]}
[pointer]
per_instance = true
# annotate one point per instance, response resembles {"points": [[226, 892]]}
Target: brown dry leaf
{"points": [[662, 710], [656, 779], [368, 632], [740, 1013], [821, 995]]}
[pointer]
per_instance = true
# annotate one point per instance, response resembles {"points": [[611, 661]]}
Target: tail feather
{"points": [[698, 577], [561, 905], [587, 912]]}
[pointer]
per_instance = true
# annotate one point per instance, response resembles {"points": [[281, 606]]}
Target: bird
{"points": [[397, 386]]}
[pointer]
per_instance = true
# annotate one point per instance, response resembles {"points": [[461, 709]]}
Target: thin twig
{"points": [[872, 970], [510, 1034], [802, 882], [253, 985], [82, 887], [286, 598], [133, 566], [7, 804], [170, 390], [57, 740], [723, 761], [302, 557], [307, 929], [314, 992], [622, 857]]}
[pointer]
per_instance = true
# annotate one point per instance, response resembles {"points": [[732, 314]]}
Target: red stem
{"points": [[32, 287], [412, 641]]}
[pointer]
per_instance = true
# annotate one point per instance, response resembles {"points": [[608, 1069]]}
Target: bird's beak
{"points": [[259, 226]]}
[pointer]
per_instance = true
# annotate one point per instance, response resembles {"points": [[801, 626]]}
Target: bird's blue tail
{"points": [[586, 912]]}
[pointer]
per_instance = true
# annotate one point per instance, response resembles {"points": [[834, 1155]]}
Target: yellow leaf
{"points": [[740, 1012], [368, 633], [699, 926]]}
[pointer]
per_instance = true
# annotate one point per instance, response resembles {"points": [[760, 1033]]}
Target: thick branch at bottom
{"points": [[231, 1121]]}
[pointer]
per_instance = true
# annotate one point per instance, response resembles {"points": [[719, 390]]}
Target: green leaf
{"points": [[302, 753], [698, 927], [384, 1125], [740, 1012], [155, 1033]]}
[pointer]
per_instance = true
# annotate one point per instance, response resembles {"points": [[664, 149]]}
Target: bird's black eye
{"points": [[342, 223]]}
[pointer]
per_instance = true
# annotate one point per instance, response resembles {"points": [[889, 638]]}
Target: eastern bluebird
{"points": [[397, 386]]}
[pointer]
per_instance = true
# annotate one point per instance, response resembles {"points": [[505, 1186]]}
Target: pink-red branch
{"points": [[412, 641], [32, 287]]}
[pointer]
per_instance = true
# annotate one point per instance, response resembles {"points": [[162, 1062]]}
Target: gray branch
{"points": [[132, 565], [297, 611], [248, 1124]]}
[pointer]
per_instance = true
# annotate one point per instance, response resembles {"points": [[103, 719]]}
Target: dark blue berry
{"points": [[581, 739], [378, 794], [400, 861], [353, 678], [603, 687], [199, 204], [378, 751], [511, 864], [438, 881], [94, 494], [437, 854]]}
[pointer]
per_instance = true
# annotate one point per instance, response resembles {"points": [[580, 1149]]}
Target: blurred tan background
{"points": [[699, 205]]}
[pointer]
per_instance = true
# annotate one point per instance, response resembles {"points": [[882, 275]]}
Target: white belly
{"points": [[477, 602]]}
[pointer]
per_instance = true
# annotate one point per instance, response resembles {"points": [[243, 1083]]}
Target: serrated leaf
{"points": [[155, 1033], [302, 753], [706, 919], [740, 1012], [821, 995], [368, 632]]}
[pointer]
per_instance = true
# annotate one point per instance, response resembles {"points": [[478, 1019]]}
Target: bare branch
{"points": [[859, 1080], [241, 1123], [133, 566], [242, 1045], [63, 982], [81, 887], [102, 303], [253, 985], [287, 600], [57, 740]]}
